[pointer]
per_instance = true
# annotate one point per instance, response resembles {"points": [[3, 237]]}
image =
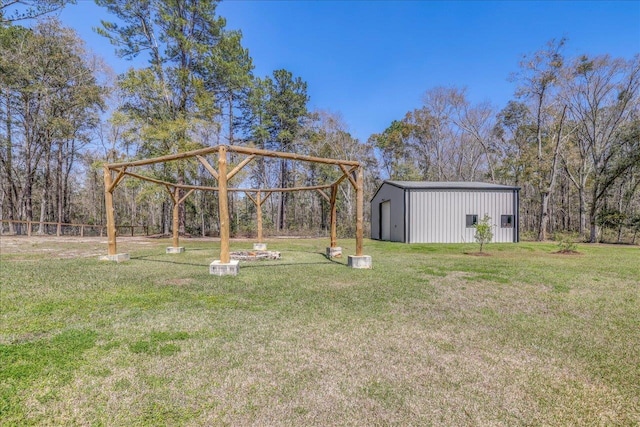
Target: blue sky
{"points": [[371, 61]]}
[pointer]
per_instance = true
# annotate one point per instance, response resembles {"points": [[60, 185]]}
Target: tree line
{"points": [[570, 138]]}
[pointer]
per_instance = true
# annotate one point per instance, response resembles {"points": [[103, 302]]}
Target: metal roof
{"points": [[435, 185]]}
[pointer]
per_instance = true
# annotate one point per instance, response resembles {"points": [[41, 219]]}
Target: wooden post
{"points": [[334, 216], [259, 215], [29, 228], [223, 206], [359, 210], [82, 230], [108, 201], [176, 217], [58, 229]]}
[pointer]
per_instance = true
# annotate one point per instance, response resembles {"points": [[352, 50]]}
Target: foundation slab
{"points": [[335, 252], [362, 261], [175, 250], [219, 269], [115, 258], [259, 246]]}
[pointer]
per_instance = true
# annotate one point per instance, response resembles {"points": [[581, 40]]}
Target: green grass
{"points": [[429, 336]]}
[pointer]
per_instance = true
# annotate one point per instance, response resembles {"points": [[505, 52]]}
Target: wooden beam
{"points": [[223, 206], [292, 156], [347, 172], [323, 194], [235, 149], [108, 201], [171, 184], [208, 167], [240, 166], [359, 211], [176, 217], [118, 179], [246, 193], [334, 217], [186, 195], [269, 193], [167, 158], [344, 176], [259, 216]]}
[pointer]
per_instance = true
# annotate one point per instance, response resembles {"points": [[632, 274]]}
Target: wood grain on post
{"points": [[259, 215], [334, 217], [223, 206], [108, 201], [359, 210], [176, 217]]}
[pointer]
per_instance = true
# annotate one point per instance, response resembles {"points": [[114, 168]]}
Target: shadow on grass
{"points": [[254, 264]]}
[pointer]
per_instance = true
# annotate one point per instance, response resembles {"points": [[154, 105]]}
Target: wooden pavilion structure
{"points": [[351, 171]]}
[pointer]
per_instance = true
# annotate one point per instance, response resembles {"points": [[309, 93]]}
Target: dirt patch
{"points": [[567, 252], [477, 253]]}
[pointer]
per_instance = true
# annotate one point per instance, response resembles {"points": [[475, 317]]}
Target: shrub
{"points": [[484, 231]]}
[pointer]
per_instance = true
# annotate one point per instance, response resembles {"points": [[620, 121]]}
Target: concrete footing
{"points": [[259, 246], [335, 252], [115, 258], [175, 250], [219, 269], [363, 261]]}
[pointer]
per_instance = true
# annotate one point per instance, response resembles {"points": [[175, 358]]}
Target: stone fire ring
{"points": [[255, 255]]}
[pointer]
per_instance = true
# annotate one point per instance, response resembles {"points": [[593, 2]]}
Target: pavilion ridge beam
{"points": [[168, 158], [291, 156]]}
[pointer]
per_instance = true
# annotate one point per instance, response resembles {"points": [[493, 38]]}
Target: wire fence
{"points": [[37, 228]]}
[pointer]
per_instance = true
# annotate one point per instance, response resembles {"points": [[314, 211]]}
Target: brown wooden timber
{"points": [[175, 226], [334, 217], [292, 156], [359, 211], [323, 194], [344, 176], [167, 158], [235, 149], [115, 183], [186, 195], [259, 215], [240, 166], [208, 167], [348, 174], [108, 201], [223, 206], [251, 198]]}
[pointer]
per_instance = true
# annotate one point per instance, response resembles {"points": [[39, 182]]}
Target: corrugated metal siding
{"points": [[439, 216]]}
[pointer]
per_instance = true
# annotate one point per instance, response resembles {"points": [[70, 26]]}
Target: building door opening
{"points": [[385, 220]]}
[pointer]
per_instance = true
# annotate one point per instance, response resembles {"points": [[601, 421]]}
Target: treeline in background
{"points": [[570, 137]]}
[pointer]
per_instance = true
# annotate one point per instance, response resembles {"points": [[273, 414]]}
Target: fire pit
{"points": [[255, 255]]}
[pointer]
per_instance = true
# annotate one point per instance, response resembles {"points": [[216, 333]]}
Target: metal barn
{"points": [[442, 212]]}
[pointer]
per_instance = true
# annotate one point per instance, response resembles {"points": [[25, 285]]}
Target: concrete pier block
{"points": [[175, 250], [219, 269], [363, 261], [259, 246], [335, 252], [115, 258]]}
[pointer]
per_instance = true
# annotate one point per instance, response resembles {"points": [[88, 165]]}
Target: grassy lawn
{"points": [[429, 336]]}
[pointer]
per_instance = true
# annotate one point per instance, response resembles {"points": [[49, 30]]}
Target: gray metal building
{"points": [[442, 212]]}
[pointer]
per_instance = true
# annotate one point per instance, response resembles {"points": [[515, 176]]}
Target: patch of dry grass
{"points": [[430, 336]]}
